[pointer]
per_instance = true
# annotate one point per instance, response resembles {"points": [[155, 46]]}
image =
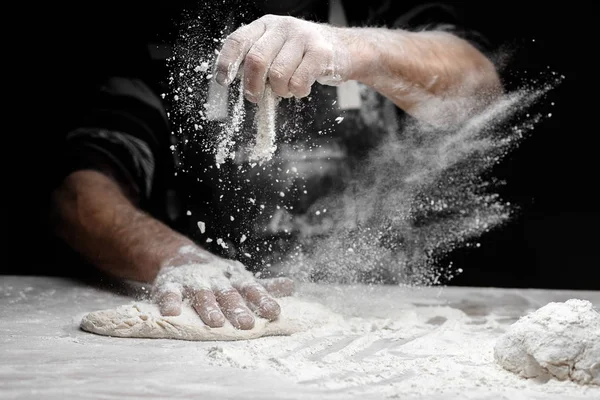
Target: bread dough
{"points": [[143, 320], [560, 340]]}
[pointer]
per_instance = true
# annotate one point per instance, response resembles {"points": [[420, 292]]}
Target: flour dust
{"points": [[420, 195], [417, 196]]}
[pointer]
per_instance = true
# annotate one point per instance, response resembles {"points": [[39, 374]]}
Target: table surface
{"points": [[45, 355]]}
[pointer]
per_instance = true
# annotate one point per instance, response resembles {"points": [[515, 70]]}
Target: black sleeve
{"points": [[89, 96], [111, 112], [123, 126]]}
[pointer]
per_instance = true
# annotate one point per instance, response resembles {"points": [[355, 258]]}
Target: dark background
{"points": [[552, 176]]}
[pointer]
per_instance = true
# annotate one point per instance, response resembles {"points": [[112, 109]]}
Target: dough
{"points": [[560, 340], [143, 320]]}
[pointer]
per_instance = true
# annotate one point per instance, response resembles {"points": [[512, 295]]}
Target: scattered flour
{"points": [[232, 129], [561, 340], [440, 345], [264, 145]]}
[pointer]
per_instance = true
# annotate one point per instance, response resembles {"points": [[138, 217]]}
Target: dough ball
{"points": [[560, 340]]}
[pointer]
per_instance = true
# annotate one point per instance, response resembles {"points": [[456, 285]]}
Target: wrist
{"points": [[366, 58]]}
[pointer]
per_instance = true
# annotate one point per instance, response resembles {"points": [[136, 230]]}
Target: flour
{"points": [[264, 145], [232, 129], [204, 271], [560, 340], [439, 345]]}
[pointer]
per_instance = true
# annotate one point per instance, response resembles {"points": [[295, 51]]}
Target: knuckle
{"points": [[299, 86], [234, 41], [277, 72], [255, 61]]}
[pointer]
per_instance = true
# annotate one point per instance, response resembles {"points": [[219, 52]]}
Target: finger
{"points": [[234, 308], [260, 300], [283, 66], [205, 304], [258, 61], [169, 302], [278, 287], [234, 49], [306, 74]]}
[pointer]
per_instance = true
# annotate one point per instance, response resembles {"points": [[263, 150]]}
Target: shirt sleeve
{"points": [[124, 126]]}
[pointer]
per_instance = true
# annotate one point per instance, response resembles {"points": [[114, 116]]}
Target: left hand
{"points": [[217, 288], [291, 53]]}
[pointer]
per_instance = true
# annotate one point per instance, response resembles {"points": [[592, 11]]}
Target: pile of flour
{"points": [[560, 340]]}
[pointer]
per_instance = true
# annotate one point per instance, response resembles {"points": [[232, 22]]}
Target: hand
{"points": [[218, 289], [291, 53]]}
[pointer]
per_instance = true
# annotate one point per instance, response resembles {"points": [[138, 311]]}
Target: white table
{"points": [[44, 354]]}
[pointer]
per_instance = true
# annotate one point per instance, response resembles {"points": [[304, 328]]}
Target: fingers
{"points": [[260, 300], [205, 304], [234, 308], [234, 49], [278, 287], [283, 66], [311, 67], [169, 302], [258, 61]]}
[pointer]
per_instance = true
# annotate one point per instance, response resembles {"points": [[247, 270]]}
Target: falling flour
{"points": [[264, 144], [232, 129]]}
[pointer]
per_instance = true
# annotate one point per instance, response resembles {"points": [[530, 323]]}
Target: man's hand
{"points": [[291, 53], [218, 289], [435, 76]]}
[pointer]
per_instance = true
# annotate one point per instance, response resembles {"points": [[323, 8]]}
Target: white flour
{"points": [[232, 129], [264, 145], [428, 351], [559, 340], [380, 342]]}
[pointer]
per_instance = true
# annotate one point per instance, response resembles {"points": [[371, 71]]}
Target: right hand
{"points": [[291, 53], [218, 289]]}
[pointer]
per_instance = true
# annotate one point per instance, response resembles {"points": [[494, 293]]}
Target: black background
{"points": [[552, 176]]}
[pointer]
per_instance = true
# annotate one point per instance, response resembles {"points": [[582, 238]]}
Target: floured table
{"points": [[429, 343]]}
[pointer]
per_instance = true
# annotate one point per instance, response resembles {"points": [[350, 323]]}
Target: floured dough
{"points": [[143, 320], [560, 340]]}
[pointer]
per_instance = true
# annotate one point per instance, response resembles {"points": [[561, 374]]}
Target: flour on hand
{"points": [[143, 320], [560, 340]]}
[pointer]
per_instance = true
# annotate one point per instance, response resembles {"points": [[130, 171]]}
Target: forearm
{"points": [[435, 76], [92, 214]]}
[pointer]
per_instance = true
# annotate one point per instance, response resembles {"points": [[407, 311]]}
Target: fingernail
{"points": [[245, 321], [251, 96], [222, 78], [216, 318], [269, 305], [270, 309]]}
